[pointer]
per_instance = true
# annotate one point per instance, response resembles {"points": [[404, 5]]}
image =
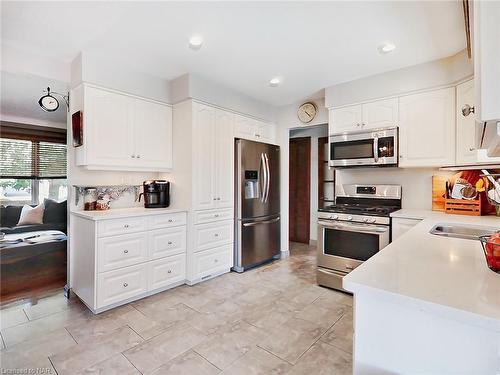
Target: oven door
{"points": [[344, 246], [374, 148]]}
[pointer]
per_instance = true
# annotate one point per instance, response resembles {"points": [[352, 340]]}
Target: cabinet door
{"points": [[427, 129], [224, 151], [108, 123], [346, 118], [204, 189], [152, 135], [466, 133], [381, 113], [245, 127], [265, 132]]}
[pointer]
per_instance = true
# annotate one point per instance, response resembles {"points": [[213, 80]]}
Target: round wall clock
{"points": [[307, 112]]}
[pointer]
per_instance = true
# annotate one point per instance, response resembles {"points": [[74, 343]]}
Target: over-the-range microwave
{"points": [[364, 148]]}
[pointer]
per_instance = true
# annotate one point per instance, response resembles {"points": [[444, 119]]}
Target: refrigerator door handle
{"points": [[261, 222], [265, 177], [268, 185]]}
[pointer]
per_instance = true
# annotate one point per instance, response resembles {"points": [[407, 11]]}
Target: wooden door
{"points": [[300, 189], [224, 158], [427, 129]]}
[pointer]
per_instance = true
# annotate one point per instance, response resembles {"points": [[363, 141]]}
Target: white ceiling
{"points": [[310, 45]]}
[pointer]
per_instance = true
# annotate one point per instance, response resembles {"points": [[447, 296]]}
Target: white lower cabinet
{"points": [[212, 262], [166, 271], [211, 244], [110, 267], [121, 285]]}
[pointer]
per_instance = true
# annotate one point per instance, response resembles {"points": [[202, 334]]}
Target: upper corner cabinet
{"points": [[427, 129], [123, 132]]}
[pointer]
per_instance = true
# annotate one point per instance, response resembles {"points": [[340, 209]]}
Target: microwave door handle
{"points": [[375, 149]]}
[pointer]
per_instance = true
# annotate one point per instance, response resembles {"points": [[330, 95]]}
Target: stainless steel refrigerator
{"points": [[257, 203]]}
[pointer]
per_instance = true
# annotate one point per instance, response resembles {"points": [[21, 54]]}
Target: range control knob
{"points": [[334, 217], [373, 220], [366, 220], [349, 218]]}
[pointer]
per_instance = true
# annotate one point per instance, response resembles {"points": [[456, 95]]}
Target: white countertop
{"points": [[410, 213], [116, 213], [440, 270]]}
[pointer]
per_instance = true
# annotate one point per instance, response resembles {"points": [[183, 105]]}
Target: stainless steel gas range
{"points": [[355, 228]]}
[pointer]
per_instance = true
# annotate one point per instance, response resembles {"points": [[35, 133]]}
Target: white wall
{"points": [[423, 76], [96, 69], [287, 120], [315, 133], [416, 183], [189, 86]]}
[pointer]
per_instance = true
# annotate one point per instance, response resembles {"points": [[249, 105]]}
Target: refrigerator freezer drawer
{"points": [[258, 241]]}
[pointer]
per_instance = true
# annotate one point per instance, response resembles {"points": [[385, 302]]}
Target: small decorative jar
{"points": [[90, 199]]}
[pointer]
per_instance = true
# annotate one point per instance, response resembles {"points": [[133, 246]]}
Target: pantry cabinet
{"points": [[213, 156], [122, 132], [377, 114], [427, 129]]}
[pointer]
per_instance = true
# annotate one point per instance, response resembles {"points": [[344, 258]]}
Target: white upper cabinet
{"points": [[427, 129], [213, 158], [254, 130], [467, 132], [123, 132], [152, 134], [378, 114], [345, 119], [107, 128]]}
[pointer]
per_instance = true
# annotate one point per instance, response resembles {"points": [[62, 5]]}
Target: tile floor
{"points": [[271, 320]]}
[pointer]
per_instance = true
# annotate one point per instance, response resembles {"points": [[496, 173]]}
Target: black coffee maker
{"points": [[156, 193]]}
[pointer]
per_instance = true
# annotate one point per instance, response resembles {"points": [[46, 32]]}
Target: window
{"points": [[32, 165]]}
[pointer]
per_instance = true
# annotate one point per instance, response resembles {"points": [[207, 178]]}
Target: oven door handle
{"points": [[375, 229]]}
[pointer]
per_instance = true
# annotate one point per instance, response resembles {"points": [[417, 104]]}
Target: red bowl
{"points": [[491, 252]]}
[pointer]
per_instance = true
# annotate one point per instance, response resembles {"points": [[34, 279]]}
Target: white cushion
{"points": [[31, 215]]}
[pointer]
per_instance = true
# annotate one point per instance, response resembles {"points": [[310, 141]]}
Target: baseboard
{"points": [[313, 243]]}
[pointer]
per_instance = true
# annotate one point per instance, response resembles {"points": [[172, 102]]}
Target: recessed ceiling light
{"points": [[274, 82], [386, 48], [195, 42]]}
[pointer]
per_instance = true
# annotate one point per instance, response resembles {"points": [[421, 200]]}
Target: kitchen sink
{"points": [[469, 232]]}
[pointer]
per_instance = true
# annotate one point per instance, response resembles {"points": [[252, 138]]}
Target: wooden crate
{"points": [[463, 207]]}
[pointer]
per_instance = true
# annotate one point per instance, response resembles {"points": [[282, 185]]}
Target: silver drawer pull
{"points": [[216, 260], [216, 215], [169, 242], [125, 285], [126, 226], [125, 251], [216, 234], [170, 221], [169, 271]]}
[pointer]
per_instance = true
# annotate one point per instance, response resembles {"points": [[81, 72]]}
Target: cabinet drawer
{"points": [[121, 226], [167, 220], [164, 272], [166, 242], [201, 217], [211, 235], [209, 262], [119, 285], [121, 251]]}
